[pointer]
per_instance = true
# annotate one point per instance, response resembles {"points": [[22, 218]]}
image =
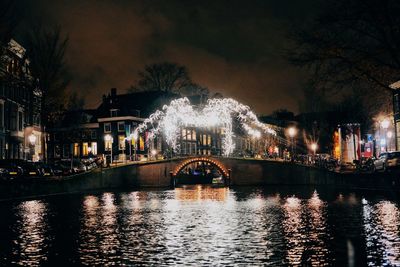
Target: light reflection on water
{"points": [[31, 230], [381, 223], [199, 225]]}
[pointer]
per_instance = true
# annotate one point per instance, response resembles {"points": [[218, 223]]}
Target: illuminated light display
{"points": [[216, 113], [201, 159]]}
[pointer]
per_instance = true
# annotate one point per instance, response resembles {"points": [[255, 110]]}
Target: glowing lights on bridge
{"points": [[201, 159], [216, 113]]}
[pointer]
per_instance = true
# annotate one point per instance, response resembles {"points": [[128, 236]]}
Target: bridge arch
{"points": [[224, 171]]}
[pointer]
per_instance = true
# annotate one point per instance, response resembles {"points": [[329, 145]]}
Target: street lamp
{"points": [[292, 131], [314, 147], [385, 125], [32, 139], [109, 139], [154, 153], [389, 135]]}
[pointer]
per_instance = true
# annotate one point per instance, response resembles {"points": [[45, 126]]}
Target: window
{"points": [[94, 148], [20, 120], [141, 143], [66, 149], [76, 149], [121, 142], [121, 126], [93, 135], [85, 149], [113, 112], [1, 114], [108, 144], [107, 127]]}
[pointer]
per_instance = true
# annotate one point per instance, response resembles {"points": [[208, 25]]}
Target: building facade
{"points": [[20, 107]]}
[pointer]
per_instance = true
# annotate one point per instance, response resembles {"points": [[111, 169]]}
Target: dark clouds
{"points": [[229, 46]]}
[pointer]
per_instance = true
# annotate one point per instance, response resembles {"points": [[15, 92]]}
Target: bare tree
{"points": [[355, 40], [46, 53], [351, 51], [168, 77]]}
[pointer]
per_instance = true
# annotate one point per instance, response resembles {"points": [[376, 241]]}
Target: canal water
{"points": [[203, 226]]}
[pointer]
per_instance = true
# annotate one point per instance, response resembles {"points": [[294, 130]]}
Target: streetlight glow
{"points": [[385, 124], [292, 131], [389, 134], [314, 147], [32, 139]]}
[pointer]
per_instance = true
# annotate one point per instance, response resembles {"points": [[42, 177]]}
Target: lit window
{"points": [[107, 145], [85, 149], [76, 149], [94, 148], [141, 143], [107, 127], [121, 142]]}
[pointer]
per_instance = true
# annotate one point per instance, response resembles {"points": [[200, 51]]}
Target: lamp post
{"points": [[385, 125], [32, 140], [292, 131], [109, 140], [154, 153], [389, 136], [314, 147]]}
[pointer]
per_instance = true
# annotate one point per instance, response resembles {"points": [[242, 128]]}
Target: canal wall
{"points": [[244, 172]]}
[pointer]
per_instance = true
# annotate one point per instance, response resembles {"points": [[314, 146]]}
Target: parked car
{"points": [[387, 161], [45, 169], [31, 169], [13, 168], [59, 168]]}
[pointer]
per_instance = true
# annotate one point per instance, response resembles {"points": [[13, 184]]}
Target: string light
{"points": [[216, 113]]}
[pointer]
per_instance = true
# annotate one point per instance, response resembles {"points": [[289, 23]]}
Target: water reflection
{"points": [[306, 232], [31, 231], [204, 226], [381, 226], [318, 234], [292, 225], [200, 192]]}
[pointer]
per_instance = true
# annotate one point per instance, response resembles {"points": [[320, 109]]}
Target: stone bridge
{"points": [[239, 171]]}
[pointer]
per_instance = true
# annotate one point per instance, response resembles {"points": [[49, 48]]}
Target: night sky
{"points": [[232, 47]]}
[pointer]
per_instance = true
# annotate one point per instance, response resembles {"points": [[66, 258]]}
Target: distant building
{"points": [[20, 107], [106, 129], [396, 112]]}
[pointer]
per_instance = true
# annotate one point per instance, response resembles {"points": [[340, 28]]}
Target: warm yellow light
{"points": [[32, 139], [292, 131], [108, 138], [385, 123], [314, 147]]}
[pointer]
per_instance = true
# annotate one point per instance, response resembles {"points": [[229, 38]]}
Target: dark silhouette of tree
{"points": [[355, 40], [168, 77], [352, 52], [46, 53]]}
